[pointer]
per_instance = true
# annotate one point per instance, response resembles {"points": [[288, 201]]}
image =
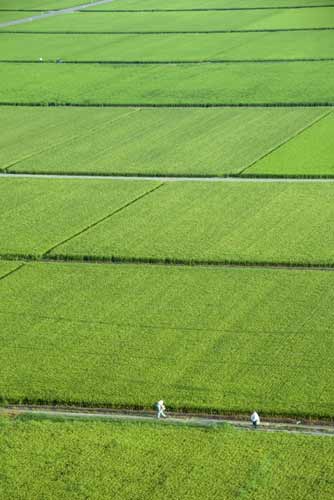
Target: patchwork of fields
{"points": [[203, 276]]}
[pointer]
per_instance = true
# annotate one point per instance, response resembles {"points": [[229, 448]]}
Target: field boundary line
{"points": [[166, 178], [171, 62], [212, 9], [286, 141], [108, 216], [51, 13], [203, 32], [9, 273], [171, 105], [164, 262], [320, 428]]}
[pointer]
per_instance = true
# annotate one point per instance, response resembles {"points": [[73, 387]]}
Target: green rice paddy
{"points": [[209, 339], [154, 141], [98, 459]]}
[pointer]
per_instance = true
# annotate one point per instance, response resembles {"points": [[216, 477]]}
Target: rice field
{"points": [[185, 84], [168, 48], [207, 339], [153, 141], [193, 21], [215, 296], [99, 459]]}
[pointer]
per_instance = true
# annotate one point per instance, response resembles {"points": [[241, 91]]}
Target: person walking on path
{"points": [[255, 419], [160, 406]]}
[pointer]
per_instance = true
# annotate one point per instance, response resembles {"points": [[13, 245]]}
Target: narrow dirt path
{"points": [[171, 179], [52, 13], [278, 425]]}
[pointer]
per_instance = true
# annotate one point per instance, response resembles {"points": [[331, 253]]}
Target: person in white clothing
{"points": [[161, 409], [255, 419]]}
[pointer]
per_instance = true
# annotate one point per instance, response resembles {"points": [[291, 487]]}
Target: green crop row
{"points": [[185, 21], [206, 222], [155, 141], [54, 459], [222, 340], [270, 83], [219, 46]]}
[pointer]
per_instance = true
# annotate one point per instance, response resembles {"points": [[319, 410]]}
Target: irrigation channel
{"points": [[244, 178], [292, 426], [52, 13]]}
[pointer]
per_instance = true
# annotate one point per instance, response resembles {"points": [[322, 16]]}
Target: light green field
{"points": [[311, 151], [103, 460], [37, 214], [205, 4], [218, 222], [200, 47], [202, 338], [234, 462], [184, 21], [12, 16], [306, 82], [146, 141], [42, 4]]}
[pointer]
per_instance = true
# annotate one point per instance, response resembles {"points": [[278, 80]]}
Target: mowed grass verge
{"points": [[223, 340], [182, 84], [143, 22], [259, 223], [162, 141], [102, 460], [167, 48]]}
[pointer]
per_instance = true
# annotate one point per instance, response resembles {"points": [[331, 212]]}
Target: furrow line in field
{"points": [[149, 261], [106, 217], [173, 62], [206, 32], [291, 425], [172, 105]]}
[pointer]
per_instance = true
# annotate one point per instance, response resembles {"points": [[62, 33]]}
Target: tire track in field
{"points": [[52, 13], [212, 9], [288, 425]]}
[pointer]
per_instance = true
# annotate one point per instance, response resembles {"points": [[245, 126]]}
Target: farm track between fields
{"points": [[203, 61], [228, 178], [293, 426], [52, 13]]}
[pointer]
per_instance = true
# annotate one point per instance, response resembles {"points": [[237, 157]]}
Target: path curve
{"points": [[162, 178], [278, 425], [52, 13]]}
